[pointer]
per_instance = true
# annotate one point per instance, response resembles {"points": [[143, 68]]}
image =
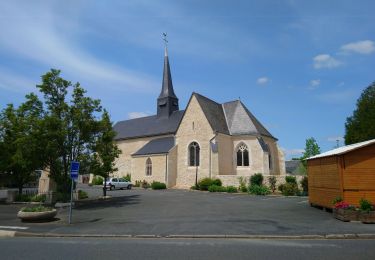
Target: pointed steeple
{"points": [[167, 101], [167, 85]]}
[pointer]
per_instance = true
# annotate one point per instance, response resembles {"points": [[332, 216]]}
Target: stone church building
{"points": [[207, 139]]}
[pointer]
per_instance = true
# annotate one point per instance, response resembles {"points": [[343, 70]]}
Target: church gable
{"points": [[194, 119]]}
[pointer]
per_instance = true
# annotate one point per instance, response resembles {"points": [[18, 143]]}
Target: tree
{"points": [[311, 148], [361, 125], [105, 151], [21, 151], [70, 124]]}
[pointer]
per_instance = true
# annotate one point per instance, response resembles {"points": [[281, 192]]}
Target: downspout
{"points": [[166, 169], [210, 159]]}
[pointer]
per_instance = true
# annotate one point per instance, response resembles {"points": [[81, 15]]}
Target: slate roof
{"points": [[241, 121], [148, 126], [343, 149], [156, 146], [214, 114], [231, 118]]}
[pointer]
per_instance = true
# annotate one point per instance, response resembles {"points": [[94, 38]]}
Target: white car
{"points": [[118, 183]]}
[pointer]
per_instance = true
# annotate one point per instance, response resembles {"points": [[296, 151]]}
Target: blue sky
{"points": [[299, 66]]}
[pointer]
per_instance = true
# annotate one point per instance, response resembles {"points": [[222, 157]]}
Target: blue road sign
{"points": [[74, 169]]}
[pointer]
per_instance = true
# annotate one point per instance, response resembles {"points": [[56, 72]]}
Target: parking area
{"points": [[168, 212]]}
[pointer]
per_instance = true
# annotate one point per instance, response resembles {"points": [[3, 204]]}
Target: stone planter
{"points": [[345, 214], [37, 216], [367, 217]]}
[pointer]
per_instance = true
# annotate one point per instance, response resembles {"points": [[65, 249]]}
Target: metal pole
{"points": [[71, 202]]}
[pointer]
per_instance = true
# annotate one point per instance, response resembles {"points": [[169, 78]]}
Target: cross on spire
{"points": [[165, 43]]}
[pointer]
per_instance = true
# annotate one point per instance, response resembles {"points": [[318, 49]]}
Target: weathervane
{"points": [[165, 39]]}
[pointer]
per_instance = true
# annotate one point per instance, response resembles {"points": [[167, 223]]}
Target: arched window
{"points": [[194, 154], [148, 167], [242, 155], [270, 160]]}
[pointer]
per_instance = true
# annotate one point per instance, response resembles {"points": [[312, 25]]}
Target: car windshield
{"points": [[114, 179]]}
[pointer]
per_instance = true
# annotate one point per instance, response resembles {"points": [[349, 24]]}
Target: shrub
{"points": [[256, 179], [217, 182], [155, 185], [39, 198], [231, 189], [365, 205], [272, 182], [290, 189], [82, 195], [281, 187], [216, 188], [97, 180], [145, 184], [38, 208], [242, 181], [128, 177], [137, 184], [23, 198], [305, 185], [204, 183], [259, 190], [291, 179]]}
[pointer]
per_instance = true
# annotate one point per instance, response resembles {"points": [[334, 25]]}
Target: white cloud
{"points": [[361, 47], [325, 61], [132, 115], [263, 81], [38, 35], [314, 84], [14, 82]]}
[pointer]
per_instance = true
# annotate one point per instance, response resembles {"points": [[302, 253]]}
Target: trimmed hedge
{"points": [[205, 183], [97, 180], [155, 185], [216, 188], [232, 189], [259, 190]]}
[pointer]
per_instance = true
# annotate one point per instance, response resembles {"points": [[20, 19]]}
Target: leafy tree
{"points": [[361, 125], [21, 151], [311, 148], [106, 151], [70, 126]]}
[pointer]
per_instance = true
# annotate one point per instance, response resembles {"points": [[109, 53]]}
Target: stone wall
{"points": [[194, 127], [159, 163]]}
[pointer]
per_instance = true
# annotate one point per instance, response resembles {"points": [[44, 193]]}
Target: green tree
{"points": [[70, 124], [361, 125], [311, 148], [105, 151], [21, 152]]}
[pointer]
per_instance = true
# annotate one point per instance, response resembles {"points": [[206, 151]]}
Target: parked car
{"points": [[118, 183]]}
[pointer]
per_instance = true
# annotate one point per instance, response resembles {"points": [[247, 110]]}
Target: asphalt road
{"points": [[70, 248], [183, 212]]}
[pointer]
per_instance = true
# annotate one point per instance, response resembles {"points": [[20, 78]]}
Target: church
{"points": [[207, 139]]}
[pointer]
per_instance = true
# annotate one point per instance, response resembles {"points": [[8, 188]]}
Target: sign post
{"points": [[74, 169]]}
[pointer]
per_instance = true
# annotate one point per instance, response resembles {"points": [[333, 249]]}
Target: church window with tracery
{"points": [[148, 167], [242, 155], [194, 154]]}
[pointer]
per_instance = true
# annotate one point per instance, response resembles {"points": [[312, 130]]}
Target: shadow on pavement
{"points": [[112, 202]]}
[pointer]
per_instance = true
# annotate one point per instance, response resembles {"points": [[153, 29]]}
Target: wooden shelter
{"points": [[347, 172]]}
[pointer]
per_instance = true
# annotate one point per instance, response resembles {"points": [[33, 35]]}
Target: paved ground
{"points": [[170, 212], [97, 248]]}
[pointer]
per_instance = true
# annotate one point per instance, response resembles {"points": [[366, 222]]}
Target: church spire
{"points": [[167, 101]]}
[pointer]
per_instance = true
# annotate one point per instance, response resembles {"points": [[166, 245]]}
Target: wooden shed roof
{"points": [[343, 149]]}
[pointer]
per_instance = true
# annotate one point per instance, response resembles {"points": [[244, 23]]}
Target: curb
{"points": [[5, 233]]}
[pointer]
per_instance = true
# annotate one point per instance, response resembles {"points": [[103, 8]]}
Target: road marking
{"points": [[7, 233], [304, 201], [13, 227]]}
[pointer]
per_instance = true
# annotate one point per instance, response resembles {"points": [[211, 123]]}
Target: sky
{"points": [[299, 66]]}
